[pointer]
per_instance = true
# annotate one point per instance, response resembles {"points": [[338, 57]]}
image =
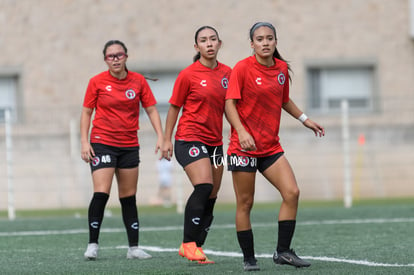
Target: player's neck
{"points": [[120, 75], [209, 63], [265, 61]]}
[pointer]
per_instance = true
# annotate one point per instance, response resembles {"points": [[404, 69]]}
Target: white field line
{"points": [[215, 226]]}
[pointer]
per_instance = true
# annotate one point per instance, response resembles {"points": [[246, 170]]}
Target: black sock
{"points": [[95, 215], [286, 230], [207, 221], [246, 243], [130, 218], [194, 211]]}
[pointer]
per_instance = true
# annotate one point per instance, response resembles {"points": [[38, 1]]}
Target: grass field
{"points": [[372, 237]]}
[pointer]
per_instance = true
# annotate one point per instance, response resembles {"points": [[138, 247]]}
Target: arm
{"points": [[246, 140], [154, 117], [87, 152], [294, 111], [167, 147]]}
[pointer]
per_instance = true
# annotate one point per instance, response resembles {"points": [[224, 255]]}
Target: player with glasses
{"points": [[112, 147]]}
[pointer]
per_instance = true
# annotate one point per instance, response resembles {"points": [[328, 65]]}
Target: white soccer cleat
{"points": [[91, 251], [137, 253]]}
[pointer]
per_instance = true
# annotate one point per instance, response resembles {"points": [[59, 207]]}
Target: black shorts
{"points": [[251, 164], [111, 156], [187, 152]]}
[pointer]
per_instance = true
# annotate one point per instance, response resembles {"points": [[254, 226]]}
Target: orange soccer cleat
{"points": [[206, 260], [191, 252]]}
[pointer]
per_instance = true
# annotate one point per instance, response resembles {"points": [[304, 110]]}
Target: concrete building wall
{"points": [[54, 47]]}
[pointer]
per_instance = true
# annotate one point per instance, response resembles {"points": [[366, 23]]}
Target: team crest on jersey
{"points": [[130, 94], [225, 82], [95, 161], [194, 151], [281, 78]]}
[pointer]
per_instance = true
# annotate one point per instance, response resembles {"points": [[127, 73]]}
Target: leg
{"points": [[200, 175], [208, 212], [244, 187], [280, 175], [102, 181], [127, 188]]}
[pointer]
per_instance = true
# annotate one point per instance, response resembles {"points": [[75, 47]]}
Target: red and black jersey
{"points": [[201, 92], [116, 103], [260, 92]]}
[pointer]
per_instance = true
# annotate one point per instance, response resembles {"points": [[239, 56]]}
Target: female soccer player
{"points": [[200, 90], [258, 91], [113, 149]]}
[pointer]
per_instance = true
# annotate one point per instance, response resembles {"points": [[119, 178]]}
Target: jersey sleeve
{"points": [[235, 82], [147, 98], [180, 91], [91, 95]]}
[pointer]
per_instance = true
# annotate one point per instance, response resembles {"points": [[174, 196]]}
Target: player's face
{"points": [[115, 58], [264, 42], [208, 44]]}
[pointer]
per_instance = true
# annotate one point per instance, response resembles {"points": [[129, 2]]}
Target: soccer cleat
{"points": [[137, 253], [250, 265], [289, 257], [206, 260], [191, 252], [91, 251]]}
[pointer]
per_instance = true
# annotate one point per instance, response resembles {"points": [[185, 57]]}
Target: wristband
{"points": [[303, 118]]}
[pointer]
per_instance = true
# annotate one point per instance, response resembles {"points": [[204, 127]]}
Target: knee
{"points": [[245, 204], [292, 195]]}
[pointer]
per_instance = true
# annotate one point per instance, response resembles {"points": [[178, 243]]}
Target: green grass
{"points": [[365, 239]]}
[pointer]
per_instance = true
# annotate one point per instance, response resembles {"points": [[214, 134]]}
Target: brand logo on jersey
{"points": [[196, 220], [259, 81], [108, 88], [194, 151], [95, 161], [281, 78], [203, 83], [225, 82], [130, 94]]}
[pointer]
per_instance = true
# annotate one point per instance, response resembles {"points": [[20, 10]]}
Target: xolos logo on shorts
{"points": [[194, 151], [95, 161], [130, 94], [243, 161]]}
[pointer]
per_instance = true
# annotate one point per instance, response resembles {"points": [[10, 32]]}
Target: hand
{"points": [[87, 153], [246, 141], [315, 127], [167, 150]]}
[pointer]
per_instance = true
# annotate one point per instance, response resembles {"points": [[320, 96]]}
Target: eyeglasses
{"points": [[119, 56]]}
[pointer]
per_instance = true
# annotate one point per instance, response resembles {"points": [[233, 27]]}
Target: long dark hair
{"points": [[198, 55], [276, 53]]}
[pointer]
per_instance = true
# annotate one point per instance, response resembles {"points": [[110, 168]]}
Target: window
{"points": [[329, 85], [162, 88], [8, 92]]}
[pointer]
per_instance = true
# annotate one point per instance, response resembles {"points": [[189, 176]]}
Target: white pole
{"points": [[9, 161], [346, 152]]}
